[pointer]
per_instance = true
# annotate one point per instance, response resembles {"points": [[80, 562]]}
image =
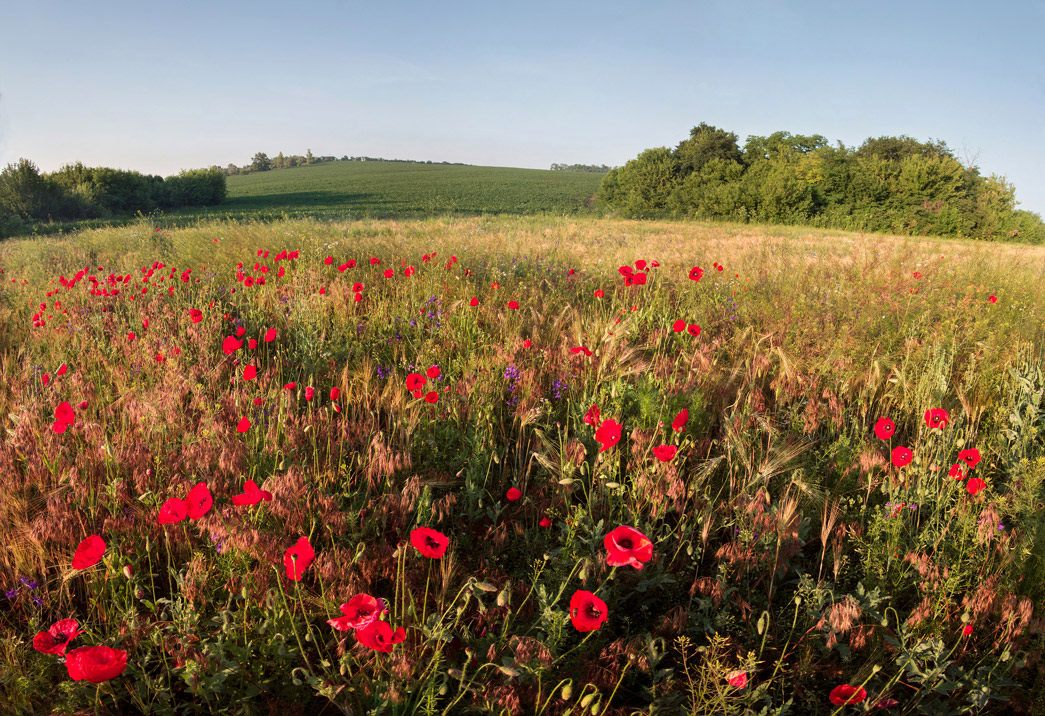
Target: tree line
{"points": [[263, 163], [891, 184], [593, 168], [77, 192]]}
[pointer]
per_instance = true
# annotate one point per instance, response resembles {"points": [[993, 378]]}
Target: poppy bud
{"points": [[128, 571], [83, 405]]}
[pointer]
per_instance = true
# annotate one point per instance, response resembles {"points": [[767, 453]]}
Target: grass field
{"points": [[650, 490], [401, 190]]}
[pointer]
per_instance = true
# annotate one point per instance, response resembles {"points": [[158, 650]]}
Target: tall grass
{"points": [[787, 547]]}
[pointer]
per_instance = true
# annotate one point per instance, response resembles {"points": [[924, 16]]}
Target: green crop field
{"points": [[400, 190]]}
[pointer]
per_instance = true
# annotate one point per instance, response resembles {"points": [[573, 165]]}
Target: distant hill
{"points": [[403, 189]]}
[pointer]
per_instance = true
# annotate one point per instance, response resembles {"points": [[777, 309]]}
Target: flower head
{"points": [[359, 612], [884, 428], [845, 694], [57, 638], [89, 552], [608, 434], [937, 418], [429, 542], [628, 546], [587, 612], [380, 637], [95, 663], [298, 558]]}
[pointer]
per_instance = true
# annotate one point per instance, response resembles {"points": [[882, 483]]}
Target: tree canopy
{"points": [[891, 184]]}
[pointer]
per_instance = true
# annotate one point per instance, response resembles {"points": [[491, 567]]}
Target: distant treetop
{"points": [[593, 168]]}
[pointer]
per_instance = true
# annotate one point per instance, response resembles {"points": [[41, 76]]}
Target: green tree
{"points": [[704, 144], [309, 159], [24, 192], [280, 161], [643, 184], [261, 162]]}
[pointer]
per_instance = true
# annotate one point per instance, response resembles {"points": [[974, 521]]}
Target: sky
{"points": [[160, 87]]}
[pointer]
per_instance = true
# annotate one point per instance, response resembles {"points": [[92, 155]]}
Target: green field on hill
{"points": [[401, 189]]}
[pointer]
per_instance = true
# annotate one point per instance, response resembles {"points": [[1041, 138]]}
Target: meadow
{"points": [[519, 465]]}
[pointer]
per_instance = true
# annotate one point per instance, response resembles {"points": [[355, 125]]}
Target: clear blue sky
{"points": [[159, 87]]}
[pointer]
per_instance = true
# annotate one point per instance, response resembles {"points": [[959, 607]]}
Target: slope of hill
{"points": [[396, 189]]}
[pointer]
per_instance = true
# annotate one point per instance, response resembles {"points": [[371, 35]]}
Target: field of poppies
{"points": [[520, 465]]}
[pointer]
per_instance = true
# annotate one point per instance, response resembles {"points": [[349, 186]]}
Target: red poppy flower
{"points": [[679, 423], [527, 343], [513, 305], [429, 542], [328, 260], [251, 495], [974, 485], [131, 336], [290, 386], [992, 298], [252, 344], [89, 552], [592, 416], [599, 293], [173, 510], [360, 612], [846, 694], [587, 612], [297, 559], [545, 522], [418, 394], [431, 397], [474, 301], [693, 330], [937, 418], [374, 261], [627, 546], [884, 428], [641, 264], [95, 663], [310, 392], [270, 335], [970, 456], [415, 381], [199, 500], [62, 369], [250, 372], [901, 456], [63, 413], [956, 472], [624, 270], [240, 331], [665, 453], [335, 393], [737, 679], [696, 273], [581, 349], [196, 315], [967, 630], [358, 298], [433, 372], [243, 426], [608, 434], [230, 345], [514, 493], [389, 273], [57, 638], [380, 637], [678, 326]]}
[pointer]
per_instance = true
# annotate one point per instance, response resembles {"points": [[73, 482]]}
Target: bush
{"points": [[197, 187]]}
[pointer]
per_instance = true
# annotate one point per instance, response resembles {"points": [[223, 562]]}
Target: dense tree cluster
{"points": [[79, 192], [891, 184]]}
